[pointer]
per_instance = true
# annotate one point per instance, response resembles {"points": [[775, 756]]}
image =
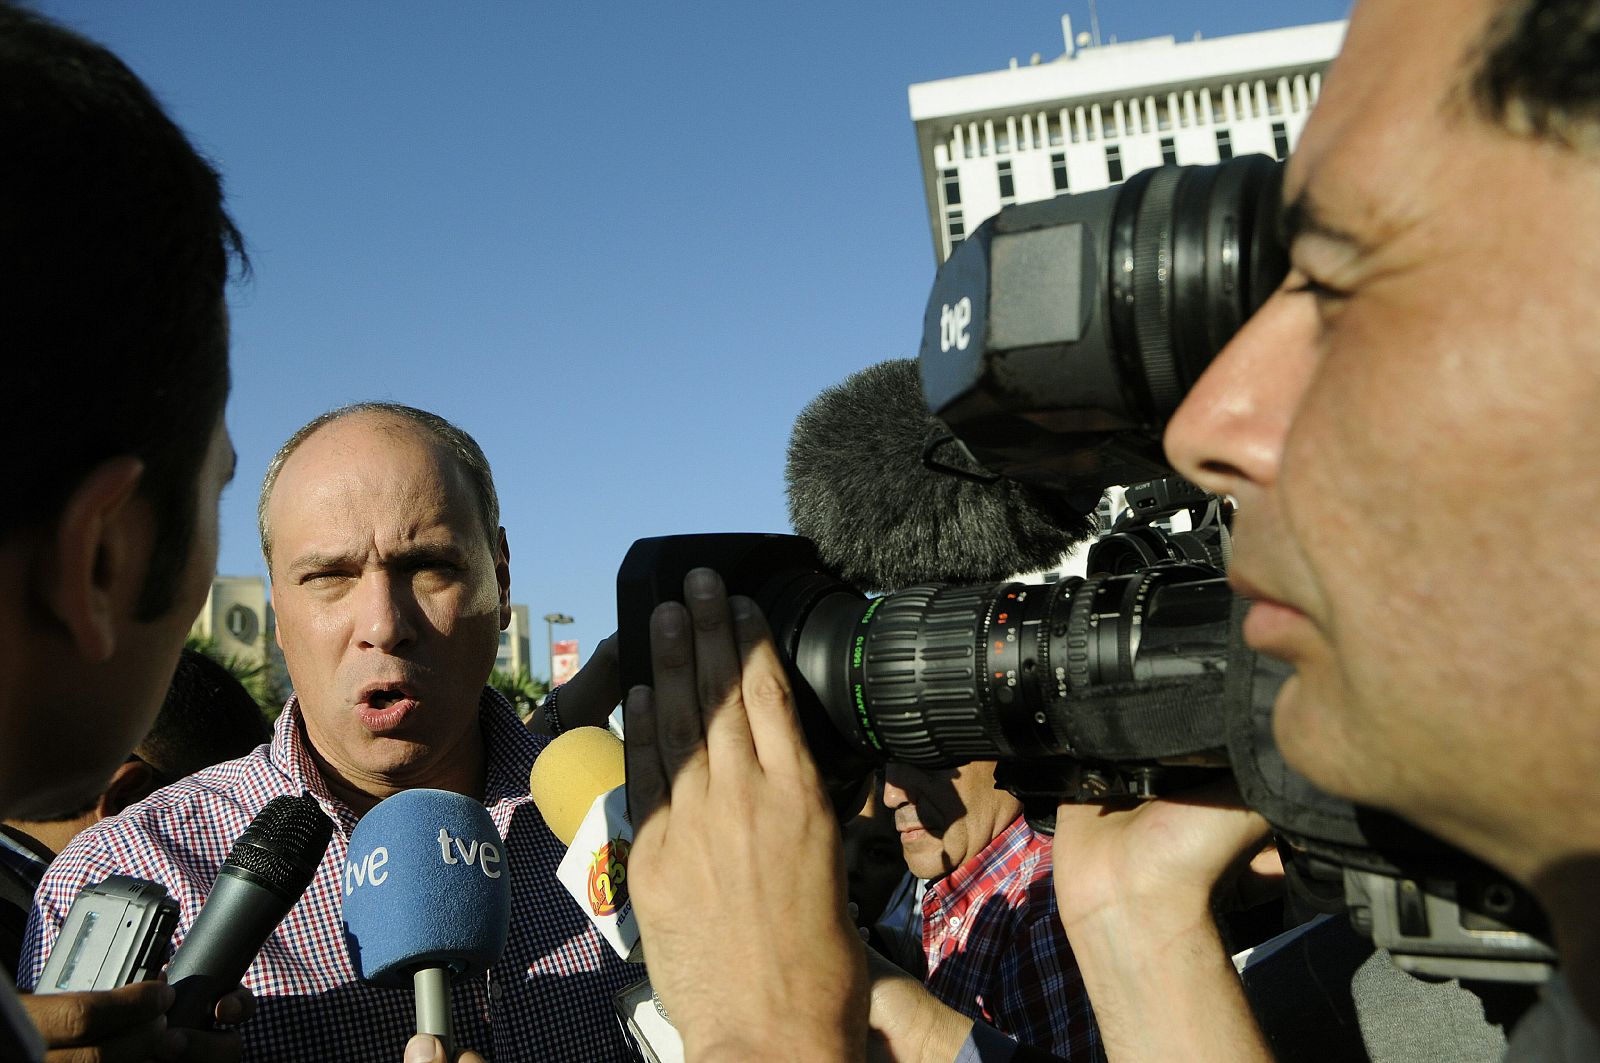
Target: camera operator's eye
{"points": [[1299, 284]]}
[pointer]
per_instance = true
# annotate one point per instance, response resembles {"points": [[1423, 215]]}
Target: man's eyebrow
{"points": [[412, 553], [1302, 217], [313, 562], [409, 554]]}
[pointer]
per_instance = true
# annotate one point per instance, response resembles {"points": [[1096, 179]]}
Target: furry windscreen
{"points": [[858, 488]]}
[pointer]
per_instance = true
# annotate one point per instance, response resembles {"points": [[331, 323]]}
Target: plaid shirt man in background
{"points": [[993, 945]]}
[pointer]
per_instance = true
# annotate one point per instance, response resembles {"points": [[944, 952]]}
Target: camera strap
{"points": [[1149, 719]]}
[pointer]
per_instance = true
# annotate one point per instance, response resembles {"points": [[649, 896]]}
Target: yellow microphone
{"points": [[577, 784]]}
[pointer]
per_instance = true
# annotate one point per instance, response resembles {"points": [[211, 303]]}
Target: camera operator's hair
{"points": [[1539, 71], [457, 443], [114, 253], [208, 717]]}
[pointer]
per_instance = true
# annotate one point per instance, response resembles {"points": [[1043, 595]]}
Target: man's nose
{"points": [[895, 793], [385, 620], [1228, 435]]}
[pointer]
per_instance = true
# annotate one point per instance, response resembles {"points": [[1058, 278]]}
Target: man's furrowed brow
{"points": [[1302, 217], [317, 562], [422, 553]]}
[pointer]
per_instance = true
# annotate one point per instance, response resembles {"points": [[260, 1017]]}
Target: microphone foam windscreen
{"points": [[573, 770], [425, 885], [883, 520], [284, 844]]}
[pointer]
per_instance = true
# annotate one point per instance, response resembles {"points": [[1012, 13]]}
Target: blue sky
{"points": [[622, 244]]}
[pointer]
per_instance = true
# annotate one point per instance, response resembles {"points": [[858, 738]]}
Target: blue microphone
{"points": [[427, 897]]}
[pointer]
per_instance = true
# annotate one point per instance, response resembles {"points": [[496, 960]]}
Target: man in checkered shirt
{"points": [[390, 582], [994, 947]]}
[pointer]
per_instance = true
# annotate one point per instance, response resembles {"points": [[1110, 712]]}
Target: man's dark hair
{"points": [[114, 253], [456, 442], [1539, 72], [208, 717]]}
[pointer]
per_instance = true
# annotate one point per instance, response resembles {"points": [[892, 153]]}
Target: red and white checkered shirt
{"points": [[549, 997], [996, 949]]}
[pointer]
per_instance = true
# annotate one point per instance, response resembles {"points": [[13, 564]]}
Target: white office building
{"points": [[1097, 114], [513, 655], [237, 619]]}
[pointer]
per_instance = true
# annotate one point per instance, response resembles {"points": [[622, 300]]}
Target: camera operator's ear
{"points": [[502, 576], [92, 568]]}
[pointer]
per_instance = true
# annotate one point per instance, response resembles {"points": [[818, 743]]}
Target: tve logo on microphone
{"points": [[372, 868], [425, 886], [469, 851]]}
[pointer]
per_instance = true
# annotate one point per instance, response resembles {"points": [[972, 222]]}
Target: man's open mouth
{"points": [[382, 699], [385, 706]]}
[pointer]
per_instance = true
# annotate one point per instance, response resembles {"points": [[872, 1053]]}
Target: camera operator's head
{"points": [[114, 252], [1409, 427]]}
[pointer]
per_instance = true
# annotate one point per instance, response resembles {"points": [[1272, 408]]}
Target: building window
{"points": [[954, 227], [1113, 163], [1169, 152], [1008, 184], [1058, 172], [241, 623], [952, 188], [1280, 140], [1224, 145]]}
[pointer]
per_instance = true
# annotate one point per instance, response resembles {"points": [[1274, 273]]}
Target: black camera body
{"points": [[1058, 339], [1103, 683], [1061, 335]]}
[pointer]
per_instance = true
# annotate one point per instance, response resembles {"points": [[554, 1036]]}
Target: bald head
{"points": [[402, 422]]}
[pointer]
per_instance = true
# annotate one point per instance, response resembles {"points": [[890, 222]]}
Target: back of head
{"points": [[114, 253], [208, 717]]}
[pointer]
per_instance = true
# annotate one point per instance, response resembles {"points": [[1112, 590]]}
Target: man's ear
{"points": [[502, 575], [134, 780], [95, 567]]}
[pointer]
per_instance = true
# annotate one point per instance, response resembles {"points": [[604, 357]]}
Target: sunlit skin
{"points": [[1409, 427], [389, 599], [946, 816]]}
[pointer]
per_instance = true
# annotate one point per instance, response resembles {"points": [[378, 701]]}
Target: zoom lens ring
{"points": [[921, 673], [1080, 619], [1152, 289]]}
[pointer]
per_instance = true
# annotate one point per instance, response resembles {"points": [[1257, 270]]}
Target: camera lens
{"points": [[940, 675], [1193, 252]]}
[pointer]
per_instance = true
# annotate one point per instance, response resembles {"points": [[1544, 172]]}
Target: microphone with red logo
{"points": [[577, 785]]}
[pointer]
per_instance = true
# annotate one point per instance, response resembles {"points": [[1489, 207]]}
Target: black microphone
{"points": [[882, 519], [266, 872]]}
